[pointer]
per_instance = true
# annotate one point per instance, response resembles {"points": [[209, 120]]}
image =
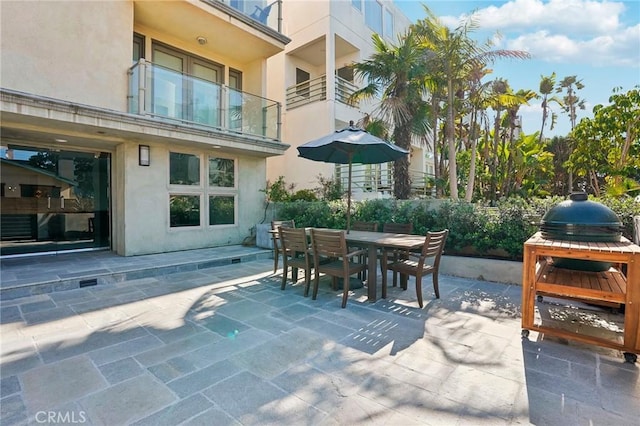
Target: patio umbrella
{"points": [[348, 146]]}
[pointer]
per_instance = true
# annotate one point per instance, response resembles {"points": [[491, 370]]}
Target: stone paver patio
{"points": [[225, 345]]}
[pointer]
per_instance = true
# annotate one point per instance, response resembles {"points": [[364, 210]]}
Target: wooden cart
{"points": [[612, 287]]}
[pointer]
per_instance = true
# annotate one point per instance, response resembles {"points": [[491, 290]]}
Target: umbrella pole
{"points": [[349, 197]]}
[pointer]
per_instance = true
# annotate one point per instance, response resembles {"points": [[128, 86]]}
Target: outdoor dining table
{"points": [[372, 241]]}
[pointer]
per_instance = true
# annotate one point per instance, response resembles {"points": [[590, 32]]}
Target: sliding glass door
{"points": [[53, 200], [186, 87]]}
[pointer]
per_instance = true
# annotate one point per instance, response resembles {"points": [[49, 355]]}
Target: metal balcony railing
{"points": [[316, 90], [344, 89], [307, 92], [163, 93], [378, 178]]}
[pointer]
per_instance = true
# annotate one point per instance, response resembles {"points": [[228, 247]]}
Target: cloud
{"points": [[586, 32], [616, 49], [576, 17]]}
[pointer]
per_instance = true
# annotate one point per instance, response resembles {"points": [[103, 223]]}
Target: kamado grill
{"points": [[579, 219], [579, 254]]}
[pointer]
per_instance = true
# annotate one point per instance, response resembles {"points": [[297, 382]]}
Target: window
{"points": [[184, 210], [388, 23], [221, 172], [302, 82], [221, 210], [222, 191], [357, 4], [186, 86], [235, 100], [184, 169], [184, 207], [373, 15], [138, 47], [346, 73], [219, 191]]}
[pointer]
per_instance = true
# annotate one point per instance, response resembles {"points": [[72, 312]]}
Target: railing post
{"points": [[142, 87], [224, 107], [279, 121], [280, 16]]}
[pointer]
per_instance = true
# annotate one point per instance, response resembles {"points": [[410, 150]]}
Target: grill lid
{"points": [[579, 219]]}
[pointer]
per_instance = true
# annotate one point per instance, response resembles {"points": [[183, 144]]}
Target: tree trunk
{"points": [[494, 160], [402, 183], [468, 195], [437, 154], [453, 172]]}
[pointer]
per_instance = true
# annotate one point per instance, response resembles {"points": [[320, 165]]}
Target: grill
{"points": [[579, 219]]}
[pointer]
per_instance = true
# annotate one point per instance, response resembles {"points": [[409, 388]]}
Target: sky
{"points": [[597, 41]]}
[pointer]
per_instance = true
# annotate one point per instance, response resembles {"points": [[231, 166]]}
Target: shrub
{"points": [[471, 226], [330, 188], [303, 195], [277, 191]]}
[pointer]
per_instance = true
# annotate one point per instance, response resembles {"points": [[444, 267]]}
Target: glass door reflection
{"points": [[53, 200]]}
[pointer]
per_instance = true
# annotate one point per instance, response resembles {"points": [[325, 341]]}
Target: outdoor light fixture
{"points": [[144, 155]]}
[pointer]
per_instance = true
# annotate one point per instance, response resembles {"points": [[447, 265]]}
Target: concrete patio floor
{"points": [[225, 345]]}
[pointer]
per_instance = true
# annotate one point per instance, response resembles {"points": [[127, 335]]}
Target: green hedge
{"points": [[475, 229]]}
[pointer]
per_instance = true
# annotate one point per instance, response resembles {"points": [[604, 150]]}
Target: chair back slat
{"points": [[434, 244], [398, 228], [328, 243], [364, 226], [293, 239]]}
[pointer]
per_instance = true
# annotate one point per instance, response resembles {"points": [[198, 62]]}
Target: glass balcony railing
{"points": [[167, 94], [266, 12], [316, 90]]}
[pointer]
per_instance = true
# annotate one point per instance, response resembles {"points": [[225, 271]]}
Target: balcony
{"points": [[231, 32], [162, 93], [316, 90], [268, 13], [377, 180]]}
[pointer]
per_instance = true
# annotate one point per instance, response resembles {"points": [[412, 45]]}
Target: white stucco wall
{"points": [[326, 25], [146, 203], [78, 51]]}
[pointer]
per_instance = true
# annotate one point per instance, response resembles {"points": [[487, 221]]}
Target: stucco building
{"points": [[327, 37], [147, 126], [138, 126]]}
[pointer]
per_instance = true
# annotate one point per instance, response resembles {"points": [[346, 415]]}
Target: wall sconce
{"points": [[144, 155]]}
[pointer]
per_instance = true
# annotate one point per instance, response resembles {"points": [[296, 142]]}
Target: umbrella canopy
{"points": [[348, 146]]}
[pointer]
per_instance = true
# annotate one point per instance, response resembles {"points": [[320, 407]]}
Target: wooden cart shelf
{"points": [[608, 288]]}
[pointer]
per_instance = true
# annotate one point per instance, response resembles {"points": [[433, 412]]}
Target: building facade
{"points": [[136, 126], [327, 37]]}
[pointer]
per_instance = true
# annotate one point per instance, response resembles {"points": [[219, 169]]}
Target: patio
{"points": [[224, 345]]}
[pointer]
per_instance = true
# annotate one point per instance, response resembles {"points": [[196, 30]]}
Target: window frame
{"points": [[222, 191], [204, 191], [176, 189], [367, 16], [388, 23]]}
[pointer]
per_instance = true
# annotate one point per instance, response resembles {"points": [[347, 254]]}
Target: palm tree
{"points": [[571, 100], [547, 85], [454, 54], [478, 96], [571, 84], [395, 74], [521, 97]]}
